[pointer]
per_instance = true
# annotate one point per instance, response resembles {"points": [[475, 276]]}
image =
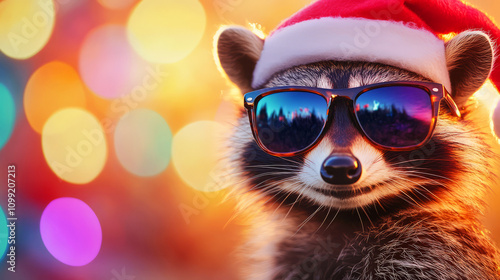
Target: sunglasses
{"points": [[397, 116]]}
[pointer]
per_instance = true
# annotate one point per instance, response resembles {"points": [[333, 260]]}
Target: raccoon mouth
{"points": [[345, 193]]}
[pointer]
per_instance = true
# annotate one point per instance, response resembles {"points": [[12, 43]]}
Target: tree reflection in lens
{"points": [[396, 116], [392, 126], [290, 121]]}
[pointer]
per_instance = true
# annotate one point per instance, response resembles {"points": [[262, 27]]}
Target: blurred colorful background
{"points": [[111, 113]]}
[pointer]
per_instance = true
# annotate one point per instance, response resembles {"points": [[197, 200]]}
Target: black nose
{"points": [[341, 169]]}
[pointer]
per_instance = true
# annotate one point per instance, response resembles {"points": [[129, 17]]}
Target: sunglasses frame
{"points": [[437, 92]]}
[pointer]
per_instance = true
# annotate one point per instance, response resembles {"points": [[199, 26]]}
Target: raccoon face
{"points": [[446, 169]]}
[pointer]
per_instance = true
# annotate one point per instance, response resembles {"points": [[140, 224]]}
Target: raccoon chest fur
{"points": [[410, 245]]}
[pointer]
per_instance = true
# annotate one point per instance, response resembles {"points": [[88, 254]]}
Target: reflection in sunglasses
{"points": [[290, 130], [392, 126]]}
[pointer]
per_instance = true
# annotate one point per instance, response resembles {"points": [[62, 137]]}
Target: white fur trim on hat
{"points": [[353, 39]]}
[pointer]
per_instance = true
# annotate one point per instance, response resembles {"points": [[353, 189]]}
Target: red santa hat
{"points": [[401, 33]]}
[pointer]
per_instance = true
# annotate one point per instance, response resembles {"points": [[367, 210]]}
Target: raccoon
{"points": [[410, 214]]}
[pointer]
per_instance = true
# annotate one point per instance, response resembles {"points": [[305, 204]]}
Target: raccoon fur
{"points": [[412, 215]]}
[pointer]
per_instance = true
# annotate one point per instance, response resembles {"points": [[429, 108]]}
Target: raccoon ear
{"points": [[469, 57], [238, 50]]}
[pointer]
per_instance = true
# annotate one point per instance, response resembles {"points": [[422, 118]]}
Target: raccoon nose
{"points": [[341, 169]]}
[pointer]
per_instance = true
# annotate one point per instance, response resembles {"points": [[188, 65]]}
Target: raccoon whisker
{"points": [[283, 167], [366, 214], [241, 210], [418, 160], [291, 207], [324, 220], [296, 200], [281, 203], [235, 174], [282, 181], [270, 174], [257, 186], [409, 168], [270, 165], [242, 182], [380, 204], [379, 158], [420, 193], [400, 176], [266, 187], [420, 186], [413, 201], [291, 170], [308, 161], [361, 220], [290, 160], [267, 191], [420, 171], [333, 219], [289, 193], [427, 190], [292, 183], [377, 199], [421, 174], [273, 190], [275, 184], [427, 176], [256, 197], [235, 214], [308, 219], [281, 198]]}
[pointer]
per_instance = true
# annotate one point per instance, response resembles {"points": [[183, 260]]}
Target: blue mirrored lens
{"points": [[290, 121], [396, 116]]}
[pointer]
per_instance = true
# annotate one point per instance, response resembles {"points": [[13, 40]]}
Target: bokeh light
{"points": [[54, 86], [64, 6], [4, 234], [166, 31], [116, 4], [196, 155], [143, 142], [74, 145], [108, 64], [25, 26], [71, 231], [7, 115]]}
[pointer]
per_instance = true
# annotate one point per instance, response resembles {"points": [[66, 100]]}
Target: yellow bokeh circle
{"points": [[116, 4], [196, 155], [54, 86], [74, 145], [166, 31], [25, 26]]}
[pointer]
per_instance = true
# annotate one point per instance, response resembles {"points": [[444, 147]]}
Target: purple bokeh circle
{"points": [[71, 231]]}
